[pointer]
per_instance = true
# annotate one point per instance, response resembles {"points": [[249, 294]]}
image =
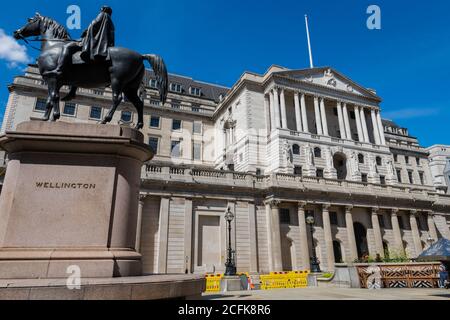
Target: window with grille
{"points": [[154, 142], [176, 149], [197, 151], [197, 127], [334, 218], [285, 216], [41, 105], [126, 116], [95, 113], [176, 125], [154, 122], [69, 109]]}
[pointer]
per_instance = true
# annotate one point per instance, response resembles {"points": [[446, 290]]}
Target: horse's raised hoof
{"points": [[139, 126], [56, 117]]}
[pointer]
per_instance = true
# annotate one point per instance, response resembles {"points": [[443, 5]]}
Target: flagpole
{"points": [[311, 64]]}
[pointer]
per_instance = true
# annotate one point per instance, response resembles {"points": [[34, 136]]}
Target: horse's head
{"points": [[32, 28]]}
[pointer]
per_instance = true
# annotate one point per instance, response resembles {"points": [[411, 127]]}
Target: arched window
{"points": [[361, 158], [378, 159], [296, 149], [317, 152]]}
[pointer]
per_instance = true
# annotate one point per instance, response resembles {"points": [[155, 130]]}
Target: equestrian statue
{"points": [[92, 62]]}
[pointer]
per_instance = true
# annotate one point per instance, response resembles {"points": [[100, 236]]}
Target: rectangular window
{"points": [[407, 159], [152, 83], [176, 125], [418, 161], [95, 113], [195, 91], [41, 105], [410, 176], [298, 171], [176, 105], [197, 151], [395, 158], [176, 149], [285, 216], [258, 171], [383, 180], [197, 127], [364, 178], [319, 173], [153, 142], [69, 109], [422, 178], [176, 87], [352, 115], [381, 220], [155, 122], [126, 116], [334, 218], [399, 175], [400, 222]]}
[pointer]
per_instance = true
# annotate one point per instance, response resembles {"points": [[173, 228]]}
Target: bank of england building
{"points": [[275, 148]]}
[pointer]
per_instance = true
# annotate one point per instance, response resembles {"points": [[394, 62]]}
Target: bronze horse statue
{"points": [[124, 71]]}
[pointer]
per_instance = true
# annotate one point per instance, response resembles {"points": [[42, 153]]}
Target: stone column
{"points": [[348, 130], [304, 113], [324, 117], [341, 121], [272, 111], [358, 124], [163, 234], [268, 113], [317, 116], [276, 106], [303, 236], [415, 232], [298, 118], [253, 238], [381, 128], [377, 232], [188, 216], [275, 258], [397, 232], [139, 224], [376, 133], [351, 233], [328, 236], [364, 125], [432, 227], [283, 110]]}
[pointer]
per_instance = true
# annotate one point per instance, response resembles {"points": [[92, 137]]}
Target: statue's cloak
{"points": [[98, 38]]}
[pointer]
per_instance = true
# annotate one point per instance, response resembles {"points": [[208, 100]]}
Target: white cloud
{"points": [[12, 51]]}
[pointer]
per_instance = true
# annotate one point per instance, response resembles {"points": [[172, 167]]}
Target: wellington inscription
{"points": [[58, 185]]}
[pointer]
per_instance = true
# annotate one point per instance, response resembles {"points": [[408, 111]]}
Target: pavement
{"points": [[333, 294]]}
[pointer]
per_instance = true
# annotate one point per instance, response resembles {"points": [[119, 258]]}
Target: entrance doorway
{"points": [[361, 239], [340, 164], [209, 242]]}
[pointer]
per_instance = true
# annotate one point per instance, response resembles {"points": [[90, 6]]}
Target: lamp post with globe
{"points": [[315, 263], [230, 266]]}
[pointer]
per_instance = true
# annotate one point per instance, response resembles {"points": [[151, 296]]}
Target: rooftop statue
{"points": [[92, 62]]}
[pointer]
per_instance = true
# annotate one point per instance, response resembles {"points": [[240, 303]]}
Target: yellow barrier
{"points": [[213, 282], [284, 280]]}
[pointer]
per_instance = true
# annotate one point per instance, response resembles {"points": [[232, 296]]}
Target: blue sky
{"points": [[407, 61]]}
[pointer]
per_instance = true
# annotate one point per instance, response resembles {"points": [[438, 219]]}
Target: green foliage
{"points": [[391, 256], [327, 275]]}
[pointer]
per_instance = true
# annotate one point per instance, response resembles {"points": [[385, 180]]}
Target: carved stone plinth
{"points": [[70, 198]]}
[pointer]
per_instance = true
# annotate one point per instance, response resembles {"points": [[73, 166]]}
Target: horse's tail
{"points": [[160, 70]]}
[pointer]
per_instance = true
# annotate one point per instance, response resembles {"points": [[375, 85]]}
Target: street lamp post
{"points": [[230, 266], [315, 263]]}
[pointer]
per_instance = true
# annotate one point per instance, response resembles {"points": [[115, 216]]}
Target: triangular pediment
{"points": [[329, 78]]}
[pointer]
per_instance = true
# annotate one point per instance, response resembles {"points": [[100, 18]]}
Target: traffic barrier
{"points": [[213, 282], [284, 280]]}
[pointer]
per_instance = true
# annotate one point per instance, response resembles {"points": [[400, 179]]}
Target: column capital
{"points": [[394, 212], [272, 203], [302, 204], [348, 209], [375, 210], [142, 197], [326, 206], [414, 212]]}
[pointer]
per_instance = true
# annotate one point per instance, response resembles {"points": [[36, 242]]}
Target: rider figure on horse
{"points": [[94, 44]]}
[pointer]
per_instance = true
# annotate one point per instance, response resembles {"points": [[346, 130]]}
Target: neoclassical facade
{"points": [[275, 148], [440, 167]]}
